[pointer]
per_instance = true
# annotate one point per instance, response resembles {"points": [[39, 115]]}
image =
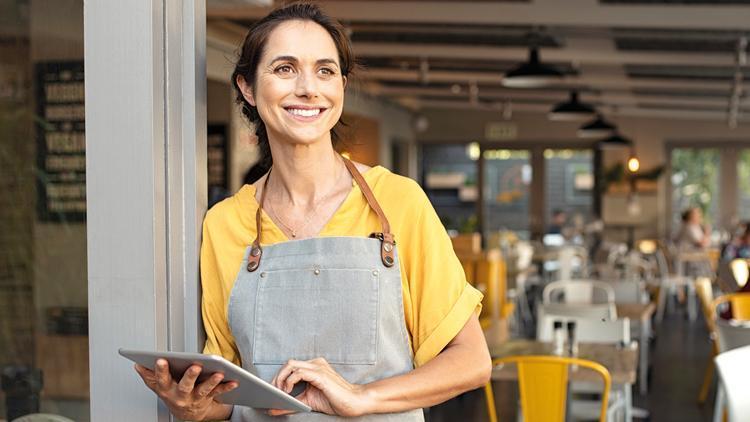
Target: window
{"points": [[695, 182], [507, 181], [43, 277]]}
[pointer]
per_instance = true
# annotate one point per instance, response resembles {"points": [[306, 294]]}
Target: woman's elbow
{"points": [[484, 371]]}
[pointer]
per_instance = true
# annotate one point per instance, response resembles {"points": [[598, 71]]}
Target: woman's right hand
{"points": [[184, 399]]}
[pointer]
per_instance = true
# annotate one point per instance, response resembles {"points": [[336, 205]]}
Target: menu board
{"points": [[61, 141]]}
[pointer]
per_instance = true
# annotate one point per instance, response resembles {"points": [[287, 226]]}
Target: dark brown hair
{"points": [[252, 50]]}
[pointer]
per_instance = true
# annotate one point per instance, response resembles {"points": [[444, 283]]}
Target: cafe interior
{"points": [[590, 160]]}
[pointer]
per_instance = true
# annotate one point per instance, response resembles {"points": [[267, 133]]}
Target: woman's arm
{"points": [[463, 365]]}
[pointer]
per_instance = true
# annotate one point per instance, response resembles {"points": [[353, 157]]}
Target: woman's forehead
{"points": [[303, 40]]}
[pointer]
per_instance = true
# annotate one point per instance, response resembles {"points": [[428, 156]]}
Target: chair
{"points": [[578, 292], [734, 368], [600, 311], [592, 331], [730, 337], [704, 290], [543, 382], [669, 282], [629, 291], [739, 303], [488, 272]]}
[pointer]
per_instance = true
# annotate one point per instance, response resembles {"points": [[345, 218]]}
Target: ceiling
{"points": [[672, 58]]}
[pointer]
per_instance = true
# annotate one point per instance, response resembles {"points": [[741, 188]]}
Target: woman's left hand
{"points": [[326, 392]]}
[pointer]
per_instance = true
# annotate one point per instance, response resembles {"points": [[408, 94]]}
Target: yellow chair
{"points": [[543, 386], [740, 303], [488, 272], [704, 290]]}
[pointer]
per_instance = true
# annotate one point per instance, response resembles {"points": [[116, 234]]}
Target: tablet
{"points": [[251, 391]]}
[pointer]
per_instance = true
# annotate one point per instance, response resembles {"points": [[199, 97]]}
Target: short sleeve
{"points": [[219, 340], [440, 300]]}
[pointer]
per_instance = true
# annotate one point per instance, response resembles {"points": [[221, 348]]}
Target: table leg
{"points": [[628, 403], [692, 311], [645, 334]]}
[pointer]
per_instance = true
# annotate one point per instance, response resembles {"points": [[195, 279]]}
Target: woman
{"points": [[323, 297], [693, 234]]}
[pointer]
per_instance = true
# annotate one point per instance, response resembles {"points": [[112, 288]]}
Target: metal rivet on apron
{"points": [[252, 266], [255, 251], [263, 274], [316, 271], [388, 247], [389, 260], [375, 272]]}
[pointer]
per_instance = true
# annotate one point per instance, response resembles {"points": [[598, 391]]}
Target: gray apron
{"points": [[338, 298]]}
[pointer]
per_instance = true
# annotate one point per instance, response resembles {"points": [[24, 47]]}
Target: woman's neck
{"points": [[302, 175]]}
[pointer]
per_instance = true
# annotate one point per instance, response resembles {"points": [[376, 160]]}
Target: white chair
{"points": [[590, 330], [731, 336], [600, 311], [629, 291], [578, 292], [734, 374], [668, 285]]}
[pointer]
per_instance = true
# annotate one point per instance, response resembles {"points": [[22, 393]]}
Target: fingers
{"points": [[163, 377], [187, 383], [287, 369], [203, 389], [222, 388], [279, 412]]}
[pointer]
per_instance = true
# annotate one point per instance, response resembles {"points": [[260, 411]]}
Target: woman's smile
{"points": [[304, 113]]}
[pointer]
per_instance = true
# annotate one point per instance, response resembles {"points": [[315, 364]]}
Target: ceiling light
{"points": [[633, 164], [597, 128], [571, 110], [532, 73], [616, 141]]}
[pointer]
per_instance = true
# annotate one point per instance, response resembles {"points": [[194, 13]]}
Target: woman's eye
{"points": [[326, 71], [284, 69]]}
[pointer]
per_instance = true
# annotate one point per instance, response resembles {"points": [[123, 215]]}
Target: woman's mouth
{"points": [[304, 114]]}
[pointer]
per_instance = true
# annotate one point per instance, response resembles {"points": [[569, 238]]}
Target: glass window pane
{"points": [[743, 177], [695, 182], [569, 188], [449, 177], [507, 182], [43, 281]]}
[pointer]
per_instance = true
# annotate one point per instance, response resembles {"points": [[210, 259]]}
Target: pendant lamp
{"points": [[597, 128], [571, 110], [532, 73], [615, 141]]}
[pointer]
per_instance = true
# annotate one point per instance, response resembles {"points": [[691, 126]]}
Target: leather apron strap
{"points": [[387, 241]]}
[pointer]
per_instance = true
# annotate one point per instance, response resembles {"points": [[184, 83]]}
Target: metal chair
{"points": [[729, 337], [543, 385], [705, 292], [590, 330], [734, 367], [739, 304], [578, 292]]}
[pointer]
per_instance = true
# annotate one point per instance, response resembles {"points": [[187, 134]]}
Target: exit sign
{"points": [[501, 131]]}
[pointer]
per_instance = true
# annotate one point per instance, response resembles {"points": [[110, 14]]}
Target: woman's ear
{"points": [[345, 80], [246, 89]]}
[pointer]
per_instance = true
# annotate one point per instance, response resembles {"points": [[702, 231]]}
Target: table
{"points": [[641, 313], [621, 362]]}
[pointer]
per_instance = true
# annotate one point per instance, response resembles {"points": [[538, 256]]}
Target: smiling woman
{"points": [[323, 300]]}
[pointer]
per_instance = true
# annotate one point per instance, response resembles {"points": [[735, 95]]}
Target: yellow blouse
{"points": [[437, 299]]}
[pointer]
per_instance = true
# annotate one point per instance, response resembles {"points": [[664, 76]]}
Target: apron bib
{"points": [[338, 298]]}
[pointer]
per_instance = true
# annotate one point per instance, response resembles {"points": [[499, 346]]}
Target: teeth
{"points": [[303, 112]]}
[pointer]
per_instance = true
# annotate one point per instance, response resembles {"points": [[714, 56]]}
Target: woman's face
{"points": [[299, 89]]}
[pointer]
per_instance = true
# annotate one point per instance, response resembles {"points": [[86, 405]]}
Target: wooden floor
{"points": [[679, 354]]}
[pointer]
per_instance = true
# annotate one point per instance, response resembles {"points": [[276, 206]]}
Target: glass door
{"points": [[507, 183]]}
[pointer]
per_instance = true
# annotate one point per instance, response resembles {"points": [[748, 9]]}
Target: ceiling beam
{"points": [[571, 13]]}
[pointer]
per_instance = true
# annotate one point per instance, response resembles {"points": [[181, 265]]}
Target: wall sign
{"points": [[61, 141]]}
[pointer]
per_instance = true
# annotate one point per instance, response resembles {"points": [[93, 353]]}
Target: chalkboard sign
{"points": [[61, 141]]}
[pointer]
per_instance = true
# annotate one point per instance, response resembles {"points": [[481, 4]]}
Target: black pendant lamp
{"points": [[597, 128], [571, 110], [615, 141], [531, 74]]}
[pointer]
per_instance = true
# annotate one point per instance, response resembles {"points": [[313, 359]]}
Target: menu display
{"points": [[61, 141]]}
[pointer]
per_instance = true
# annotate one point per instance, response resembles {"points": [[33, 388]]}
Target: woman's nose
{"points": [[307, 85]]}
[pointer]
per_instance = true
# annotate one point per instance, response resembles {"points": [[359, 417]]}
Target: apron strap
{"points": [[386, 238]]}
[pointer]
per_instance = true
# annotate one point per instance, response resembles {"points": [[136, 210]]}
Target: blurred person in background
{"points": [[693, 234]]}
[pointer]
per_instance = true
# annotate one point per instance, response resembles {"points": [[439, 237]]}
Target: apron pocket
{"points": [[306, 314]]}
